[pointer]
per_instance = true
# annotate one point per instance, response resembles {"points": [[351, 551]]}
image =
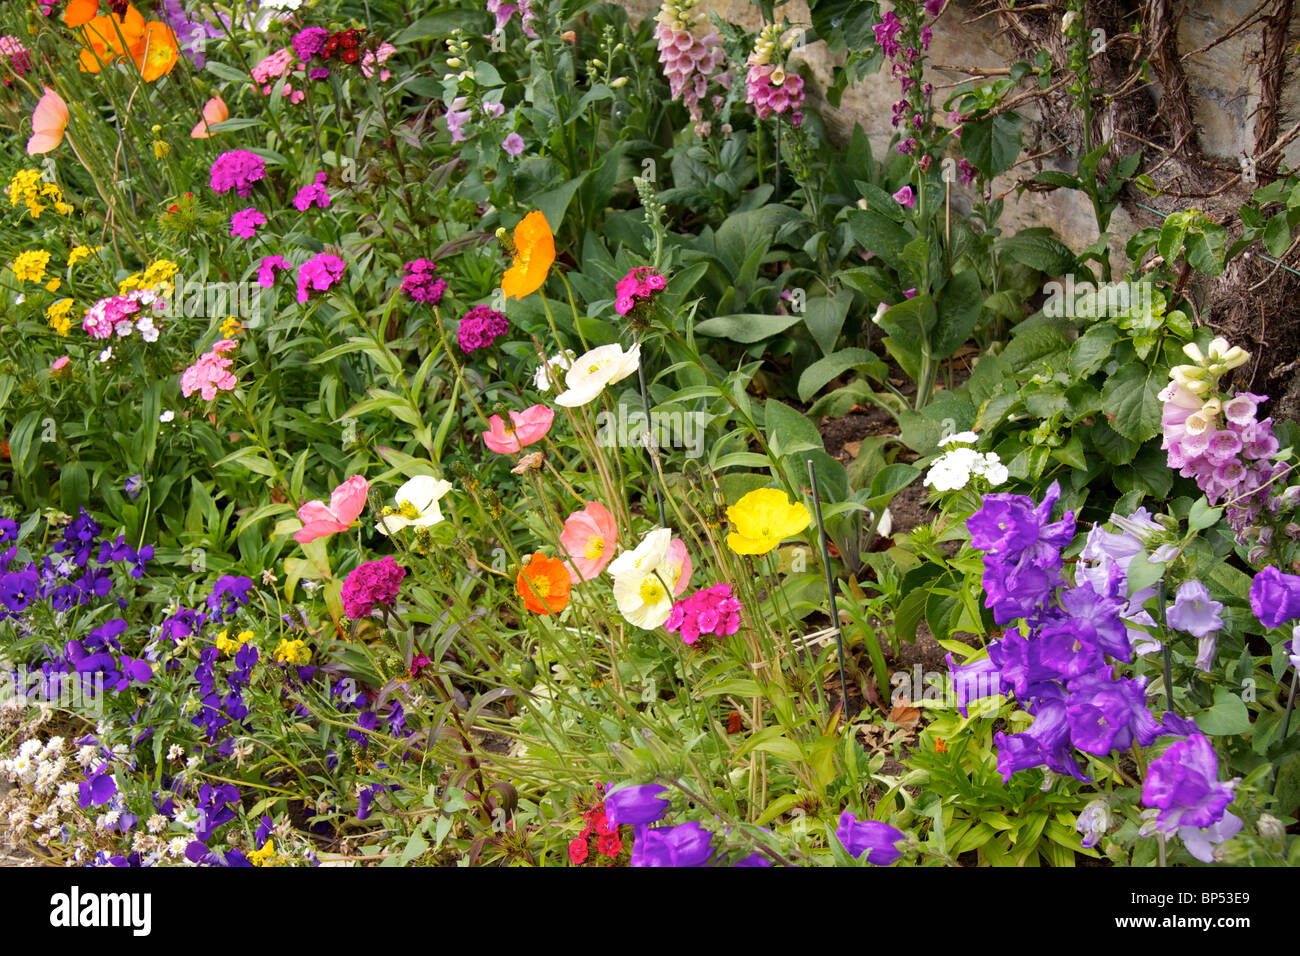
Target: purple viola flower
{"points": [[879, 841], [686, 845], [199, 853], [97, 789], [18, 589], [1275, 597], [217, 806], [135, 485], [636, 806], [8, 530], [1183, 783]]}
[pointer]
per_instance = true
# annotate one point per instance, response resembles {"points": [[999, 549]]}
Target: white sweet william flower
{"points": [[961, 438], [595, 370], [166, 416], [417, 504], [954, 468], [563, 361]]}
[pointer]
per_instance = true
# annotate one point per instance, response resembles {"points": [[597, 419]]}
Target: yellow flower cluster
{"points": [[81, 252], [30, 266], [266, 856], [292, 652], [231, 327], [158, 273], [59, 316], [27, 188], [230, 646]]}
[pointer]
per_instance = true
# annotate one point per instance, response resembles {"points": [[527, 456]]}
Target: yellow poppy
{"points": [[762, 519]]}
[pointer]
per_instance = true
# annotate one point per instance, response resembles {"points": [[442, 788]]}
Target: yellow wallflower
{"points": [[229, 646], [54, 283], [158, 272], [263, 857], [27, 188], [81, 252], [231, 327], [58, 315], [292, 652], [762, 519], [30, 266]]}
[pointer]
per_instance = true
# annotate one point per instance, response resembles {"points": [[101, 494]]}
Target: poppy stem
{"points": [[650, 440], [830, 586]]}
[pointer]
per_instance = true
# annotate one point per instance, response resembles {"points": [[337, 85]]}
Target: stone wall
{"points": [[1223, 82]]}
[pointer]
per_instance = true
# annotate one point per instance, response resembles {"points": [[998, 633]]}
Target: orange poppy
{"points": [[214, 111], [110, 36], [544, 584], [156, 52], [78, 12], [534, 253]]}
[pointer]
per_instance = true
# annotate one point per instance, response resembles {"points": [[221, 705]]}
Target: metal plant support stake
{"points": [[1286, 724], [830, 586]]}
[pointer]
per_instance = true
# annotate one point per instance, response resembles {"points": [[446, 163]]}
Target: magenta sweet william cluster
{"points": [[372, 583], [420, 284], [480, 327], [710, 611], [237, 169], [637, 286]]}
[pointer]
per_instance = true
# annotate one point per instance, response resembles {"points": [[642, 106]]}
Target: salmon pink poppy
{"points": [[588, 539], [320, 520], [525, 428], [49, 120], [544, 585], [214, 111]]}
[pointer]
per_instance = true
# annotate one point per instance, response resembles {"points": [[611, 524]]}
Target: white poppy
{"points": [[645, 557], [643, 599], [595, 370], [417, 504]]}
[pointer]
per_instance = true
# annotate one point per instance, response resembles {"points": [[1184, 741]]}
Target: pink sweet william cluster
{"points": [[691, 53], [16, 55], [319, 273], [123, 314], [371, 583], [639, 285], [237, 169], [711, 611], [278, 64], [211, 373]]}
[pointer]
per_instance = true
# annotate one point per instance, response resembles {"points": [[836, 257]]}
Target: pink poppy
{"points": [[678, 563], [320, 520], [588, 539], [526, 427]]}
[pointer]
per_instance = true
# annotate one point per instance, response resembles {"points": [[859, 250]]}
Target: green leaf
{"points": [[824, 316], [1032, 346], [1131, 397], [789, 431], [1202, 515], [827, 369], [1091, 349], [992, 143], [879, 235], [554, 202], [1227, 717], [1037, 249], [746, 327], [958, 309]]}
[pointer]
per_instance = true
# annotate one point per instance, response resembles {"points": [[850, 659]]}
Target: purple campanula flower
{"points": [[1275, 597], [636, 806], [1194, 611], [1183, 783], [974, 681], [879, 841], [1106, 714], [1045, 743], [686, 845]]}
